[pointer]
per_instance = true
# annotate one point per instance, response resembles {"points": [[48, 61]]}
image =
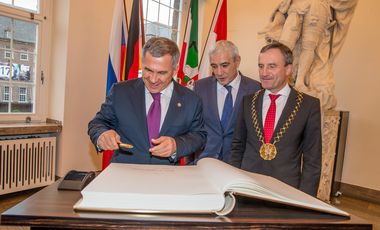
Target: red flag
{"points": [[133, 45], [218, 31]]}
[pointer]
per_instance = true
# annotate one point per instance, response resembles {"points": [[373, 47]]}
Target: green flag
{"points": [[188, 65]]}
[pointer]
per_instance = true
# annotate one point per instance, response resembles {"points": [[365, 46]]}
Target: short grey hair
{"points": [[160, 46], [285, 51], [225, 46]]}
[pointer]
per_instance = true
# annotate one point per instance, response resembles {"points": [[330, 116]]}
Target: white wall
{"points": [[80, 77], [357, 87], [77, 97], [57, 78]]}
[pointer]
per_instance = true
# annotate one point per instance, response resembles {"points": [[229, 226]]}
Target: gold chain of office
{"points": [[268, 151]]}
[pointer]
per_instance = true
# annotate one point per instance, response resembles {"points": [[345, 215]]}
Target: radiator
{"points": [[26, 163]]}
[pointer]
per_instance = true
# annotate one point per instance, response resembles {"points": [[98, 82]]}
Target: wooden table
{"points": [[53, 209]]}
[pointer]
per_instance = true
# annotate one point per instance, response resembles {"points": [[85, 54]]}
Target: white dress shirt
{"points": [[166, 95], [280, 103], [222, 93]]}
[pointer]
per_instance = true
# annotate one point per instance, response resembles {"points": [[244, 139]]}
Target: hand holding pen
{"points": [[110, 140]]}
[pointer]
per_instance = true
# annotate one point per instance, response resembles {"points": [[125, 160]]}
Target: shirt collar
{"points": [[234, 83], [166, 92], [283, 92]]}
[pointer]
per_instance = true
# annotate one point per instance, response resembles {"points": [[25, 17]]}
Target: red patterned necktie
{"points": [[270, 118], [154, 117]]}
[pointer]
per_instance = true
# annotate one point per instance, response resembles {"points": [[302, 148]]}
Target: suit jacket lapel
{"points": [[241, 92], [214, 103], [259, 109], [289, 106], [243, 88], [239, 96], [174, 110], [140, 108]]}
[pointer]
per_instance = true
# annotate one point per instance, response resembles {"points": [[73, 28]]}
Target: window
{"points": [[24, 56], [6, 94], [22, 94], [29, 5], [24, 35], [23, 25], [7, 54], [7, 34], [162, 18]]}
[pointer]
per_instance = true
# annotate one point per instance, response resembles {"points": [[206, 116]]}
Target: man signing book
{"points": [[159, 120]]}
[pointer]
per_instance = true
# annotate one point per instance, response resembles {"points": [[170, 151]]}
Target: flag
{"points": [[188, 63], [124, 58], [218, 31], [134, 42], [117, 55]]}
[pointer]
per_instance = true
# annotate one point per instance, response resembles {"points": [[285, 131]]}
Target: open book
{"points": [[208, 187]]}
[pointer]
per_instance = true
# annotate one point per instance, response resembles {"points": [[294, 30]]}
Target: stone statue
{"points": [[315, 31]]}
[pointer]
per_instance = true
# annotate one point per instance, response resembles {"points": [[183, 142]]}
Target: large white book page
{"points": [[231, 179], [228, 178], [207, 187], [151, 188]]}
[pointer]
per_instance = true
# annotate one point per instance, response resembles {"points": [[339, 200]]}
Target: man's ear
{"points": [[175, 71], [289, 69], [237, 61]]}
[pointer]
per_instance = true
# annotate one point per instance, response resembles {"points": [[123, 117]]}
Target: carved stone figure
{"points": [[314, 30]]}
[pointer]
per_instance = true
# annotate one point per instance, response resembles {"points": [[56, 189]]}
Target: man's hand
{"points": [[108, 140], [163, 146]]}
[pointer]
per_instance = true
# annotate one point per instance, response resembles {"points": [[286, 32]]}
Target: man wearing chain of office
{"points": [[278, 130]]}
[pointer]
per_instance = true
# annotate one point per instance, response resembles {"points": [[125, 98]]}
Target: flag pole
{"points": [[182, 57], [142, 23], [187, 20], [208, 35], [126, 16]]}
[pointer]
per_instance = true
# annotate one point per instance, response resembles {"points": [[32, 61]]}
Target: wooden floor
{"points": [[363, 209]]}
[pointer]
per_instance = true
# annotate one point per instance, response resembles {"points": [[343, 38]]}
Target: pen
{"points": [[124, 145]]}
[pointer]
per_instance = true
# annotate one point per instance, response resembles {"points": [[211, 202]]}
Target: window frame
{"points": [[8, 54], [22, 95], [6, 93], [43, 44], [26, 55], [159, 25]]}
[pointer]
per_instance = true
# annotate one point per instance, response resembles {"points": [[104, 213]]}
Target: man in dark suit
{"points": [[160, 119], [213, 90], [278, 130]]}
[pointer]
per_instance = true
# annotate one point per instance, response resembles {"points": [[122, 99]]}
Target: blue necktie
{"points": [[227, 108]]}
